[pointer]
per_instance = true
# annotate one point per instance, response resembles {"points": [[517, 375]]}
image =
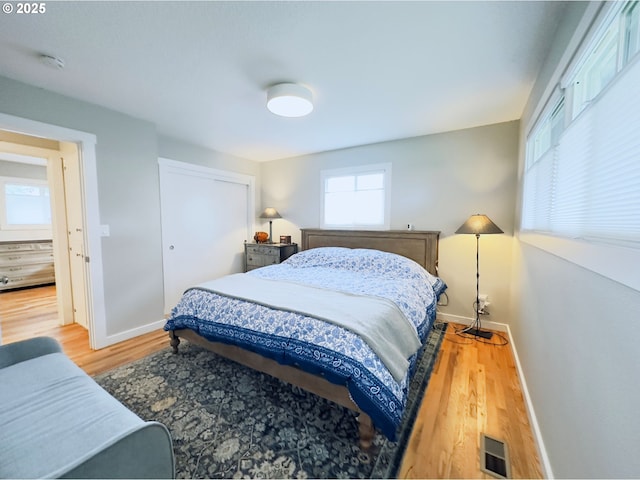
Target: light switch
{"points": [[104, 230]]}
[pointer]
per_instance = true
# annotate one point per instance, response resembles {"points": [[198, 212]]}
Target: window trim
{"points": [[357, 170]]}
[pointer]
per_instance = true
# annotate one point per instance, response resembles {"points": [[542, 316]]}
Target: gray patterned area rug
{"points": [[228, 421]]}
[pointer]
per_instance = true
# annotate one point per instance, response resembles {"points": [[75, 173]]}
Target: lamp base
{"points": [[476, 332]]}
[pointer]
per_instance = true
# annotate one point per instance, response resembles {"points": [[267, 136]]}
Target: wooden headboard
{"points": [[421, 247]]}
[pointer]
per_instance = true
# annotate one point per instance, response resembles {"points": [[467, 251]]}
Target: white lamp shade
{"points": [[289, 100]]}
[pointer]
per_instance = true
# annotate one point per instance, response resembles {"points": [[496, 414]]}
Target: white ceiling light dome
{"points": [[289, 100]]}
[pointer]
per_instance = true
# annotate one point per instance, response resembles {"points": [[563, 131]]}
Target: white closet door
{"points": [[231, 229], [205, 221]]}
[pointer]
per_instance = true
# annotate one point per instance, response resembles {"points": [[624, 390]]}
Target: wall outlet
{"points": [[483, 303], [410, 226]]}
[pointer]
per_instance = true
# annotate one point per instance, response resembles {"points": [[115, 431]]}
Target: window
{"points": [[632, 31], [541, 160], [548, 133], [357, 197], [582, 171], [26, 204], [598, 70]]}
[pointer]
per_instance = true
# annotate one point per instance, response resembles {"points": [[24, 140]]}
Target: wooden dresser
{"points": [[258, 255], [24, 264]]}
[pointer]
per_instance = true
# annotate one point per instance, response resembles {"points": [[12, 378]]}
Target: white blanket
{"points": [[378, 321]]}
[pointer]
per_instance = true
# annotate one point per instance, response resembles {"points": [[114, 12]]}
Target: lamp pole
{"points": [[478, 225]]}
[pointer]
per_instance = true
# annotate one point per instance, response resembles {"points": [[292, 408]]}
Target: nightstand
{"points": [[258, 255]]}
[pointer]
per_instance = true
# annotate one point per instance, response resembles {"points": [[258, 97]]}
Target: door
{"points": [[75, 235], [206, 217]]}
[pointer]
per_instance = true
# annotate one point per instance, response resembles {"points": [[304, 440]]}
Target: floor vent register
{"points": [[494, 457]]}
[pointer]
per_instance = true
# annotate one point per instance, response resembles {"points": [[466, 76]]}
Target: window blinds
{"points": [[588, 185]]}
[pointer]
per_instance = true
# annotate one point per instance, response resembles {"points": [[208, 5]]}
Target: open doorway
{"points": [[86, 148], [59, 233]]}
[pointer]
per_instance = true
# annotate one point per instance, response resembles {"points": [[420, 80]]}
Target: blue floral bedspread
{"points": [[314, 345]]}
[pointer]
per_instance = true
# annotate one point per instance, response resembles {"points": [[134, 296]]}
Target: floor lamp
{"points": [[270, 213], [478, 225]]}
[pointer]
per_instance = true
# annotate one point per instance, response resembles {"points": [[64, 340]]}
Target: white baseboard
{"points": [[533, 420], [134, 332]]}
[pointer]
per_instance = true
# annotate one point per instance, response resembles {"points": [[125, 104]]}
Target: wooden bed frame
{"points": [[420, 246]]}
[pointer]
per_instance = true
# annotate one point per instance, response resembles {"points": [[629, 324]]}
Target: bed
{"points": [[286, 320]]}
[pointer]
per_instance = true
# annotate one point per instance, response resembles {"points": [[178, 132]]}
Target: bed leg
{"points": [[175, 341], [366, 430]]}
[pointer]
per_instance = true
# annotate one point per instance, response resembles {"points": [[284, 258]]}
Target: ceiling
{"points": [[199, 71]]}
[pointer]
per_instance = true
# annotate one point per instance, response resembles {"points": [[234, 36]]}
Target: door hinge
{"points": [[86, 258]]}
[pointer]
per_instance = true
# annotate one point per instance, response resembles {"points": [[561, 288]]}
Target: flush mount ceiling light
{"points": [[52, 61], [289, 100]]}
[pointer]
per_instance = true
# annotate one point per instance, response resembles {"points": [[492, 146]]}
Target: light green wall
{"points": [[127, 153], [438, 181], [174, 149], [576, 335]]}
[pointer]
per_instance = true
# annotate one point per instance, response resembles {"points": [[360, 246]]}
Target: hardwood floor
{"points": [[474, 388], [33, 312]]}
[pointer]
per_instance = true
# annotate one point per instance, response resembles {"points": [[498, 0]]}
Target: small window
{"points": [[27, 204], [541, 142], [632, 31], [598, 70], [356, 197], [557, 122], [547, 134]]}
